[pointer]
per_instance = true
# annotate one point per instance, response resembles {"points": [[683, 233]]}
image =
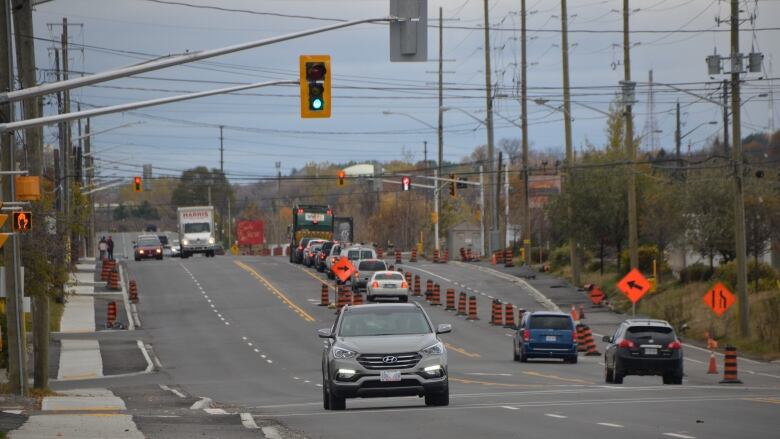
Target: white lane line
{"points": [[262, 356], [680, 435], [174, 391], [212, 305], [256, 350], [509, 407], [491, 297], [553, 415], [508, 335], [768, 375], [269, 361], [248, 421], [694, 360], [227, 323], [271, 433], [432, 274], [149, 364], [296, 378], [607, 424], [740, 358], [244, 338], [318, 385], [215, 411], [306, 381]]}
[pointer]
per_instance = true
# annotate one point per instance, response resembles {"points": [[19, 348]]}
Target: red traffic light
{"points": [[315, 71], [406, 182]]}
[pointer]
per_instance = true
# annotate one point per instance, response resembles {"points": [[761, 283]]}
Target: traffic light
{"points": [[453, 186], [22, 221], [137, 184], [406, 182], [342, 175], [462, 185], [315, 86]]}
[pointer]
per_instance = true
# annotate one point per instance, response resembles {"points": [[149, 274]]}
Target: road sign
{"points": [[634, 285], [719, 298], [22, 221], [597, 296], [343, 269]]}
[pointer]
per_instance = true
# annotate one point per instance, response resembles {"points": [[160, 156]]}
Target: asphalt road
{"points": [[242, 331]]}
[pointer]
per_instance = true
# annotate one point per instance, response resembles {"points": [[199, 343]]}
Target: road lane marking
{"points": [[679, 435], [509, 407], [693, 360], [553, 415], [248, 421], [488, 374], [174, 391], [298, 310], [426, 271], [607, 424], [462, 351], [495, 384], [768, 375], [215, 411], [316, 278], [557, 378], [766, 400]]}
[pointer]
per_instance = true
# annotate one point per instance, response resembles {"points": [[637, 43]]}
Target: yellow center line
{"points": [[298, 310], [317, 278], [495, 384], [462, 351], [766, 400], [556, 377]]}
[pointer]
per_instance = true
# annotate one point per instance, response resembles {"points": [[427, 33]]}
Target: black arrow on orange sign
{"points": [[632, 284], [342, 268]]}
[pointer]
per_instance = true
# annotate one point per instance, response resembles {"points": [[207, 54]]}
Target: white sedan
{"points": [[387, 284]]}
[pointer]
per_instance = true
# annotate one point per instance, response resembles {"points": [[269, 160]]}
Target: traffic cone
{"points": [[713, 369], [493, 259], [574, 314]]}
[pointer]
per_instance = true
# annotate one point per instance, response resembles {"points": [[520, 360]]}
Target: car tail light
{"points": [[300, 247], [526, 335], [158, 250], [627, 344], [674, 345], [375, 284], [356, 274], [404, 285]]}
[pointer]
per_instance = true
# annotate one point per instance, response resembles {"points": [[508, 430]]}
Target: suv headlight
{"points": [[343, 354], [211, 240], [434, 349], [185, 242], [434, 371]]}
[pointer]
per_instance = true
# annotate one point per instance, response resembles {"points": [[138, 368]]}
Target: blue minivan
{"points": [[544, 334]]}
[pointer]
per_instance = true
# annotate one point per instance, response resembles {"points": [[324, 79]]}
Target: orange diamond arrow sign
{"points": [[634, 285], [343, 269], [719, 298]]}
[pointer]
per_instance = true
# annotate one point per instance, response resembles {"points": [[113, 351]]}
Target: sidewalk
{"points": [[90, 413]]}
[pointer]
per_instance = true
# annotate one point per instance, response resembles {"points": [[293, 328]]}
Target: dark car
{"points": [[643, 347], [148, 247], [319, 262], [384, 350], [296, 253], [544, 334], [219, 249]]}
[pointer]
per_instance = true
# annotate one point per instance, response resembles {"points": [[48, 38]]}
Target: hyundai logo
{"points": [[389, 359]]}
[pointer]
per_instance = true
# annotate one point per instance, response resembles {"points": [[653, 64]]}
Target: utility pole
{"points": [[677, 134], [524, 131], [482, 210], [25, 55], [66, 143], [726, 118], [90, 165], [506, 201], [497, 189], [492, 205], [425, 155], [17, 345], [574, 255], [278, 177], [440, 127], [221, 153], [633, 234], [739, 202], [436, 199]]}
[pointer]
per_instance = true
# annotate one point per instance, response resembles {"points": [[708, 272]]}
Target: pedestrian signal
{"points": [[406, 182], [22, 221]]}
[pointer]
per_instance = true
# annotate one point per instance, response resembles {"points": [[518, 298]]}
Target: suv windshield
{"points": [[374, 320], [659, 334], [196, 228], [372, 266], [550, 322]]}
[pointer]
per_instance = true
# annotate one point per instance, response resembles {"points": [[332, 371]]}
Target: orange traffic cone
{"points": [[574, 314], [713, 369], [493, 259]]}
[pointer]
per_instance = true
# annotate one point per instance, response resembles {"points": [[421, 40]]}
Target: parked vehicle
{"points": [[643, 347], [196, 230], [545, 334], [387, 284], [384, 350]]}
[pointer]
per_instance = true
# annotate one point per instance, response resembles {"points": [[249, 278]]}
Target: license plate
{"points": [[388, 286], [550, 338], [651, 351], [390, 375]]}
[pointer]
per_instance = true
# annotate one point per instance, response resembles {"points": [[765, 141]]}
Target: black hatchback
{"points": [[643, 347]]}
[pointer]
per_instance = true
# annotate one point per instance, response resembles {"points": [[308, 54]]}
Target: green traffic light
{"points": [[316, 104]]}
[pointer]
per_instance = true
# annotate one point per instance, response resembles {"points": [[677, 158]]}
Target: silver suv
{"points": [[384, 350]]}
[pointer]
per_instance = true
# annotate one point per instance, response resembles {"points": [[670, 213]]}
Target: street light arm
{"points": [[507, 119], [712, 101], [697, 127], [389, 113], [92, 133], [464, 112]]}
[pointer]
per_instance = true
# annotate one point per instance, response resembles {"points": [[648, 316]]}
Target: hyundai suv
{"points": [[643, 347], [384, 350]]}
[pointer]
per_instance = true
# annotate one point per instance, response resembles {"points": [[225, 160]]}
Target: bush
{"points": [[766, 275], [560, 257], [647, 253], [697, 272]]}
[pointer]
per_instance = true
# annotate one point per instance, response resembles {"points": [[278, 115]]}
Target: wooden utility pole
{"points": [[17, 345], [739, 201], [524, 132], [65, 145], [633, 234], [33, 137], [726, 118], [492, 202], [440, 127], [221, 152], [569, 177]]}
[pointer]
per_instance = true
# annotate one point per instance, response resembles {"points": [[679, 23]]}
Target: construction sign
{"points": [[719, 299], [343, 269], [22, 221], [597, 296], [634, 285]]}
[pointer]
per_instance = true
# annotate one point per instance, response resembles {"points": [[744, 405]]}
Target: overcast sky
{"points": [[263, 126]]}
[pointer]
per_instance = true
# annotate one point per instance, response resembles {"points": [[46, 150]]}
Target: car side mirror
{"points": [[444, 328], [607, 339], [325, 333]]}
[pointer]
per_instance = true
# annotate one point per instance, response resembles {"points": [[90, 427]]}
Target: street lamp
{"points": [[711, 122], [544, 103], [394, 113]]}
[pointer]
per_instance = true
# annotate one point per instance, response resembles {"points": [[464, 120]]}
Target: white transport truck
{"points": [[196, 230]]}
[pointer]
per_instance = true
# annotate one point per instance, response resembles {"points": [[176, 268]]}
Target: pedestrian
{"points": [[103, 248], [110, 243]]}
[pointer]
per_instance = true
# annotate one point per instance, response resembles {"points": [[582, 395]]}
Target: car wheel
{"points": [[617, 377], [325, 399], [137, 259], [609, 375], [523, 357], [572, 360], [515, 356], [160, 258], [370, 298], [438, 399], [335, 402]]}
